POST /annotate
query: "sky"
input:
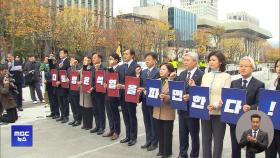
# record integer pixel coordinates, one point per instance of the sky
(267, 11)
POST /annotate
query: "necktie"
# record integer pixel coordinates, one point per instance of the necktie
(278, 85)
(244, 86)
(188, 78)
(148, 73)
(125, 67)
(255, 134)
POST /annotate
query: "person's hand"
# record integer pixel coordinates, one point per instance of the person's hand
(248, 137)
(138, 70)
(91, 89)
(67, 80)
(45, 82)
(191, 82)
(172, 76)
(79, 83)
(140, 89)
(57, 83)
(6, 80)
(97, 66)
(162, 96)
(186, 97)
(105, 85)
(120, 86)
(210, 107)
(246, 108)
(254, 140)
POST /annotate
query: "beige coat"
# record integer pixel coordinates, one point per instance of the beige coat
(85, 98)
(164, 112)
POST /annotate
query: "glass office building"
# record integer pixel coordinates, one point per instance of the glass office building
(185, 24)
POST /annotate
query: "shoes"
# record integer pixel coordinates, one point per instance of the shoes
(35, 102)
(145, 145)
(59, 119)
(159, 154)
(125, 140)
(115, 136)
(152, 147)
(77, 123)
(131, 142)
(100, 131)
(94, 130)
(109, 134)
(20, 109)
(71, 123)
(43, 101)
(65, 120)
(55, 117)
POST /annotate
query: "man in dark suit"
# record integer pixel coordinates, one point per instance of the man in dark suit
(150, 73)
(98, 98)
(191, 76)
(128, 69)
(63, 101)
(254, 139)
(113, 103)
(252, 85)
(16, 72)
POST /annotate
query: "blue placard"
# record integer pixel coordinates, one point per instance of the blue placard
(199, 100)
(22, 136)
(269, 103)
(153, 90)
(176, 92)
(233, 101)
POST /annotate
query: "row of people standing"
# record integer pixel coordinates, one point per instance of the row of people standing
(159, 121)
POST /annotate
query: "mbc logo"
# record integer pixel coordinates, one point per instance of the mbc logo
(22, 136)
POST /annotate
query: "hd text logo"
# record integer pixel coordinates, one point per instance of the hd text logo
(22, 136)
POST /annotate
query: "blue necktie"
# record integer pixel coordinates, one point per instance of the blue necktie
(125, 67)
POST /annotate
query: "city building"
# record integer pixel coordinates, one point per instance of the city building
(103, 9)
(182, 21)
(202, 8)
(145, 3)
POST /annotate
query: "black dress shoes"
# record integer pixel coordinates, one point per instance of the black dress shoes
(65, 120)
(77, 123)
(131, 142)
(145, 146)
(100, 131)
(159, 154)
(94, 130)
(72, 122)
(152, 147)
(125, 140)
(59, 119)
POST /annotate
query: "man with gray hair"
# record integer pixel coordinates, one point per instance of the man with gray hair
(191, 76)
(252, 85)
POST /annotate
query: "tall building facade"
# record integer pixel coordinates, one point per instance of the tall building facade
(242, 16)
(103, 9)
(145, 3)
(184, 23)
(202, 8)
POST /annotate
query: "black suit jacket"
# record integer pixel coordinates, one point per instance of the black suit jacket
(130, 72)
(259, 146)
(101, 67)
(197, 77)
(253, 88)
(154, 74)
(66, 64)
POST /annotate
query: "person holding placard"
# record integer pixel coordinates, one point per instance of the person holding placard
(128, 109)
(74, 96)
(98, 98)
(164, 115)
(187, 125)
(274, 148)
(113, 103)
(63, 101)
(85, 98)
(252, 85)
(150, 73)
(214, 129)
